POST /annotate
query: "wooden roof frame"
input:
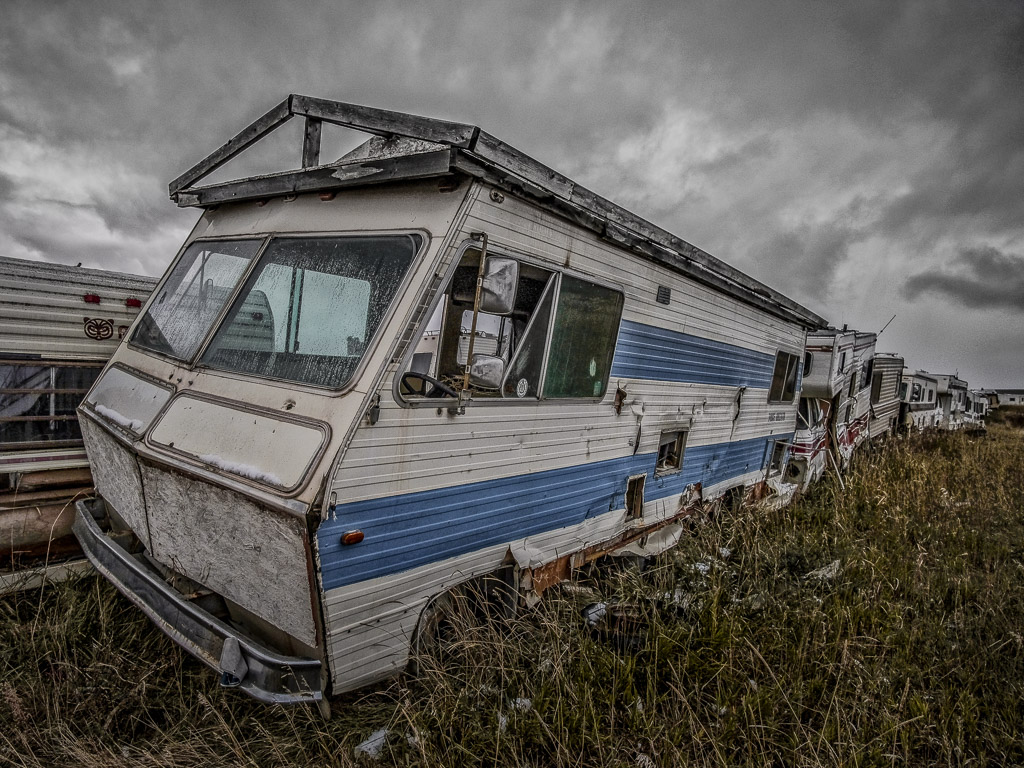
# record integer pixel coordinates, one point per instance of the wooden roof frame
(467, 150)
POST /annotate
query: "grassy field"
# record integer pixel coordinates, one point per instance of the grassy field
(880, 625)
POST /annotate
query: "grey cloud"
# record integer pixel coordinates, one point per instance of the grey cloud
(809, 257)
(144, 89)
(7, 188)
(978, 277)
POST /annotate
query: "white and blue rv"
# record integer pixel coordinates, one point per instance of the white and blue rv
(365, 383)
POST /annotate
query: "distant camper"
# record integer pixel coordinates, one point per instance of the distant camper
(835, 402)
(58, 327)
(434, 364)
(919, 402)
(952, 395)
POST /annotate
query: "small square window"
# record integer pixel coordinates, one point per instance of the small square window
(670, 452)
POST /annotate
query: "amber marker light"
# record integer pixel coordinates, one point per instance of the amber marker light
(351, 537)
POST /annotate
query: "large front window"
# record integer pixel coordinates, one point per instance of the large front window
(310, 307)
(305, 313)
(189, 301)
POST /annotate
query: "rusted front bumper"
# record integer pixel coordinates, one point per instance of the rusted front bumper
(241, 662)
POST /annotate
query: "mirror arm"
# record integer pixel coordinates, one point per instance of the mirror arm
(482, 237)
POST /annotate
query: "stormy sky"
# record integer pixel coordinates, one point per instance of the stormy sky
(866, 159)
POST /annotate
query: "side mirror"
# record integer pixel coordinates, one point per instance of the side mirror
(498, 289)
(486, 371)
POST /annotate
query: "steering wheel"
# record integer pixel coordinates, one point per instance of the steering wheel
(413, 383)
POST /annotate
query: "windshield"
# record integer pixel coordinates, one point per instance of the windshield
(311, 306)
(193, 295)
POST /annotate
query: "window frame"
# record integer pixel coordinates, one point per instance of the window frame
(193, 364)
(681, 437)
(439, 288)
(52, 393)
(797, 362)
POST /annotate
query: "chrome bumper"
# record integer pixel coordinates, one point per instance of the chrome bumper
(241, 662)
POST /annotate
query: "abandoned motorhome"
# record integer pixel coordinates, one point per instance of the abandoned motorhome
(919, 403)
(835, 402)
(363, 384)
(58, 327)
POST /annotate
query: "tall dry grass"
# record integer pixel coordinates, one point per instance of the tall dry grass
(880, 625)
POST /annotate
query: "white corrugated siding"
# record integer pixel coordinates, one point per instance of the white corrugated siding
(43, 311)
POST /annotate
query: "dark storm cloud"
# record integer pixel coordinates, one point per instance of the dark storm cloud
(977, 277)
(819, 146)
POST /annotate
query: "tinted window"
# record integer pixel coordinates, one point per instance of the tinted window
(783, 386)
(583, 341)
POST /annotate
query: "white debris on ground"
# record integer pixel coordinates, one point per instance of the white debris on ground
(133, 424)
(702, 568)
(724, 553)
(594, 612)
(680, 598)
(516, 705)
(373, 744)
(244, 470)
(645, 761)
(825, 573)
(575, 589)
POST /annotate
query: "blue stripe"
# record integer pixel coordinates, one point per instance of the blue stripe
(648, 352)
(413, 529)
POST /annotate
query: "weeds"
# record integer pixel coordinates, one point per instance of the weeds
(877, 626)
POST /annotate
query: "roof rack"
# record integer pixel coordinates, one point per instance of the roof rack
(458, 148)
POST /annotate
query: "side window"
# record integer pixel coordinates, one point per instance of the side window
(783, 386)
(524, 374)
(38, 401)
(583, 341)
(557, 339)
(866, 372)
(808, 415)
(808, 360)
(670, 452)
(876, 386)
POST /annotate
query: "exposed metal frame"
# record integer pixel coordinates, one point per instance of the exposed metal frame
(467, 150)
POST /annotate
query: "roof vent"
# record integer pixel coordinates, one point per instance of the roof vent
(664, 294)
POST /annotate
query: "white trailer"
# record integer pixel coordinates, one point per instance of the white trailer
(835, 403)
(58, 326)
(433, 363)
(919, 402)
(886, 379)
(952, 398)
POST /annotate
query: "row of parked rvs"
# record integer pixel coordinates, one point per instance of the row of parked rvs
(433, 364)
